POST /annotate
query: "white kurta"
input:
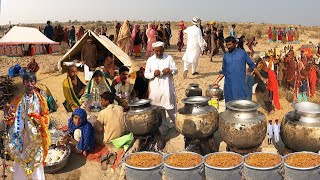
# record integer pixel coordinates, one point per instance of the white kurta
(276, 131)
(194, 46)
(162, 92)
(270, 131)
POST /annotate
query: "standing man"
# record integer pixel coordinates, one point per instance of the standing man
(270, 132)
(89, 58)
(168, 35)
(28, 139)
(160, 69)
(48, 30)
(73, 89)
(234, 71)
(221, 39)
(276, 131)
(232, 31)
(72, 36)
(194, 47)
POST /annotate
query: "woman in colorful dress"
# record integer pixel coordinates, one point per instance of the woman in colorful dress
(90, 100)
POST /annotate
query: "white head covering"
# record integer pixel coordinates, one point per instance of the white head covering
(196, 20)
(157, 44)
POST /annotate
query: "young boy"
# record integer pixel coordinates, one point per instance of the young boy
(276, 131)
(110, 124)
(270, 132)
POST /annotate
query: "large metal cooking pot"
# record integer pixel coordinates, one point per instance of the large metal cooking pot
(193, 90)
(197, 119)
(242, 126)
(142, 118)
(213, 91)
(300, 129)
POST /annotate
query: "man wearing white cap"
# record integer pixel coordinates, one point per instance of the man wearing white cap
(160, 69)
(194, 47)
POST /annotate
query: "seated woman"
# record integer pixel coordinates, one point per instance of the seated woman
(33, 66)
(81, 132)
(98, 84)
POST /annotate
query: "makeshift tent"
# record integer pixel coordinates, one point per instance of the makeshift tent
(20, 41)
(104, 47)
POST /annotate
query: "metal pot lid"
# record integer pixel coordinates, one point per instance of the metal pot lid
(140, 102)
(213, 87)
(242, 105)
(306, 107)
(195, 100)
(194, 84)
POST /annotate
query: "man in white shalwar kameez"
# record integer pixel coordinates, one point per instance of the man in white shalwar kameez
(276, 131)
(194, 47)
(160, 69)
(270, 132)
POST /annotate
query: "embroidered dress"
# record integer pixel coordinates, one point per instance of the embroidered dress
(28, 140)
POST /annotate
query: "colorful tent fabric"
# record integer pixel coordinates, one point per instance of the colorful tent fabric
(13, 43)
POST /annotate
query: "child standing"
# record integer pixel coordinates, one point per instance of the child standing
(276, 131)
(270, 132)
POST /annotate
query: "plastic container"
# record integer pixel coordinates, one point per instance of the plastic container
(256, 173)
(22, 71)
(177, 173)
(296, 173)
(14, 70)
(137, 173)
(230, 173)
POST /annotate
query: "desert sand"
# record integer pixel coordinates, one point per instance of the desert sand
(77, 167)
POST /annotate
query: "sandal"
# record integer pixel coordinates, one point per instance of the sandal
(112, 158)
(104, 161)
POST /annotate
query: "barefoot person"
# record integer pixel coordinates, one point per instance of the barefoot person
(110, 124)
(81, 131)
(160, 69)
(194, 47)
(28, 139)
(234, 71)
(33, 66)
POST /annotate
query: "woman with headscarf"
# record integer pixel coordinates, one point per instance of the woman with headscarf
(144, 37)
(124, 37)
(136, 40)
(116, 32)
(152, 35)
(141, 84)
(180, 36)
(81, 131)
(90, 100)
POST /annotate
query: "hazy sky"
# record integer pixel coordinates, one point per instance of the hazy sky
(305, 12)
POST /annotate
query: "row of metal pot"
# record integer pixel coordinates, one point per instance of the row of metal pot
(241, 125)
(240, 171)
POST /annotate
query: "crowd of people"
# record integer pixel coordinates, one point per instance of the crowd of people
(62, 34)
(108, 93)
(284, 35)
